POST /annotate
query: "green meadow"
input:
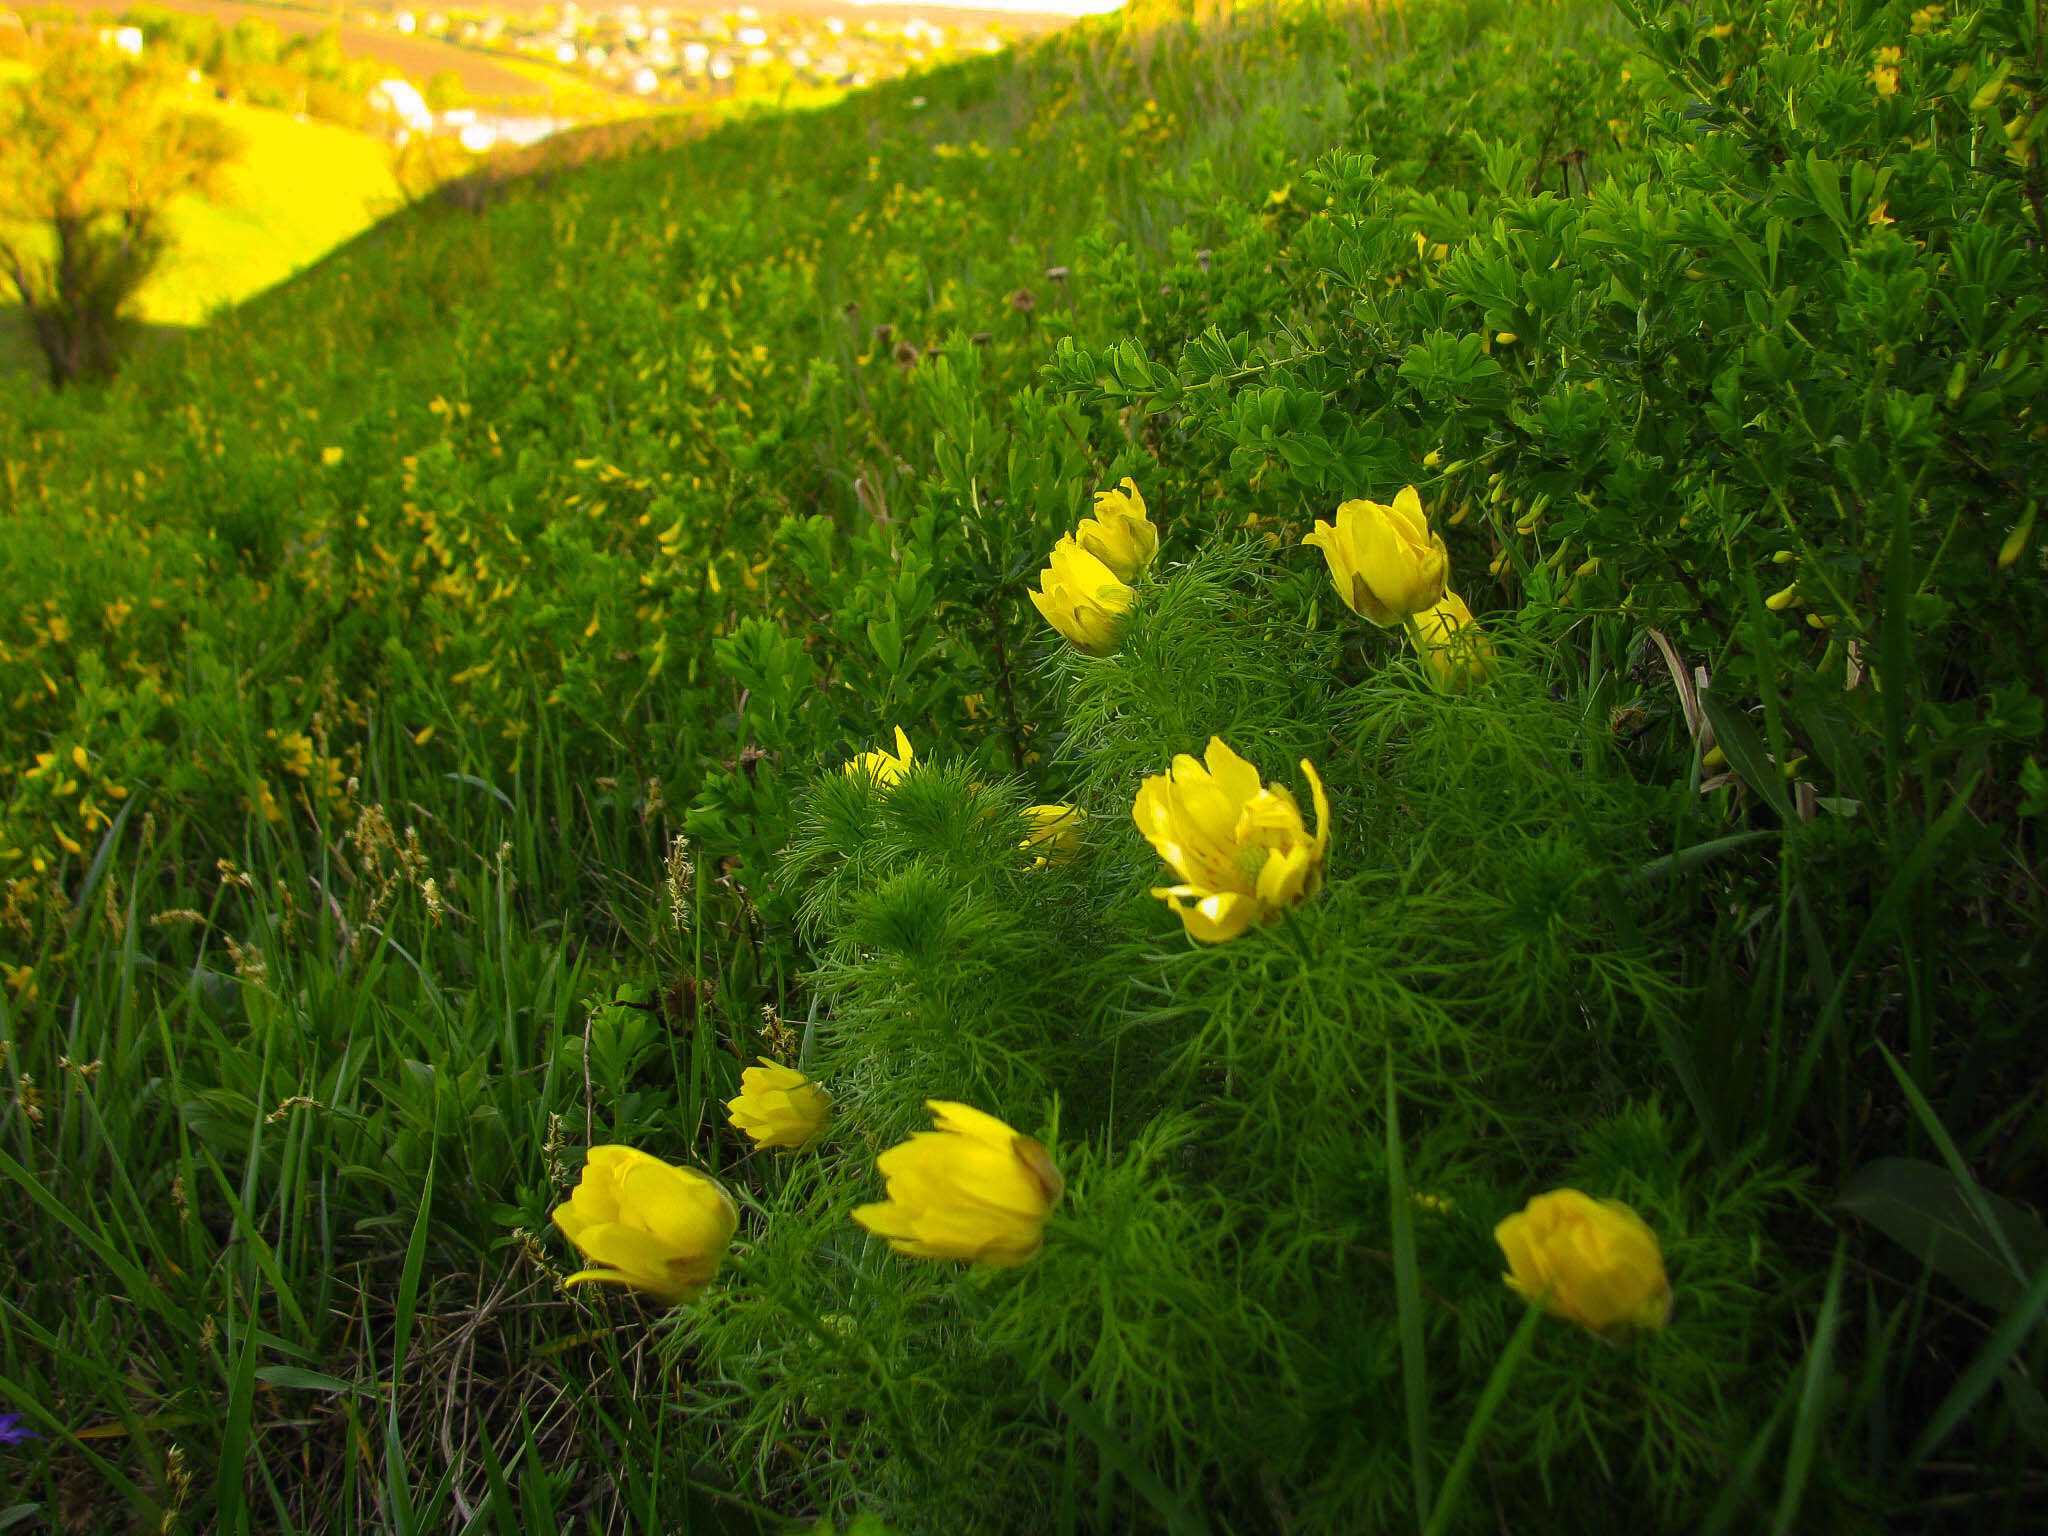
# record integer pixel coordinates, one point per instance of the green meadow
(451, 706)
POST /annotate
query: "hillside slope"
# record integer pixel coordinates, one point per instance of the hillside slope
(433, 681)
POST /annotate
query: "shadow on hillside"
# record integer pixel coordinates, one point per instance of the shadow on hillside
(567, 150)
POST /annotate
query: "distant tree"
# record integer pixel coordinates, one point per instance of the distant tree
(444, 90)
(92, 149)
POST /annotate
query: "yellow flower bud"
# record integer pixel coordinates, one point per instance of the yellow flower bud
(1449, 638)
(778, 1106)
(656, 1228)
(1591, 1261)
(1055, 833)
(1384, 560)
(2015, 543)
(1241, 850)
(885, 769)
(1081, 597)
(1120, 534)
(971, 1188)
(1778, 602)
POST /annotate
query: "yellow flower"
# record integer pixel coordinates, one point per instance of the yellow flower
(1081, 597)
(778, 1106)
(1591, 1261)
(659, 1229)
(330, 456)
(1450, 639)
(1055, 833)
(1120, 534)
(1241, 850)
(970, 1189)
(885, 769)
(1385, 561)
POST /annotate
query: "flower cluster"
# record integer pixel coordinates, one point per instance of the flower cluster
(778, 1106)
(879, 765)
(647, 1224)
(970, 1189)
(1085, 590)
(1391, 568)
(1594, 1262)
(1240, 848)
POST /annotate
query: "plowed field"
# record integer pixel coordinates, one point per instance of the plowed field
(419, 58)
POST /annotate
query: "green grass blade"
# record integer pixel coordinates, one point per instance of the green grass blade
(230, 1498)
(1813, 1405)
(1976, 1380)
(1408, 1309)
(1497, 1383)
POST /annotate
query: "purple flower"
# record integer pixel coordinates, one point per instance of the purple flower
(13, 1431)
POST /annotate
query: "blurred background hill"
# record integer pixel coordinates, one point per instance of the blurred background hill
(346, 112)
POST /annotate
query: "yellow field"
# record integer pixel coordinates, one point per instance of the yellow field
(297, 190)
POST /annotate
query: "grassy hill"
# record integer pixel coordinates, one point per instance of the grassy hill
(431, 688)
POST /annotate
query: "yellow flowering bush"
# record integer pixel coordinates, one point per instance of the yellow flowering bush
(1594, 1262)
(1055, 833)
(1082, 597)
(971, 1188)
(778, 1106)
(646, 1224)
(885, 768)
(1121, 533)
(1385, 560)
(1240, 848)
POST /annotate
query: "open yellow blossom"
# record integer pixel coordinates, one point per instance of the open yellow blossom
(656, 1228)
(1055, 833)
(1120, 534)
(1591, 1261)
(1384, 559)
(1450, 639)
(971, 1188)
(1240, 848)
(885, 769)
(778, 1106)
(1081, 597)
